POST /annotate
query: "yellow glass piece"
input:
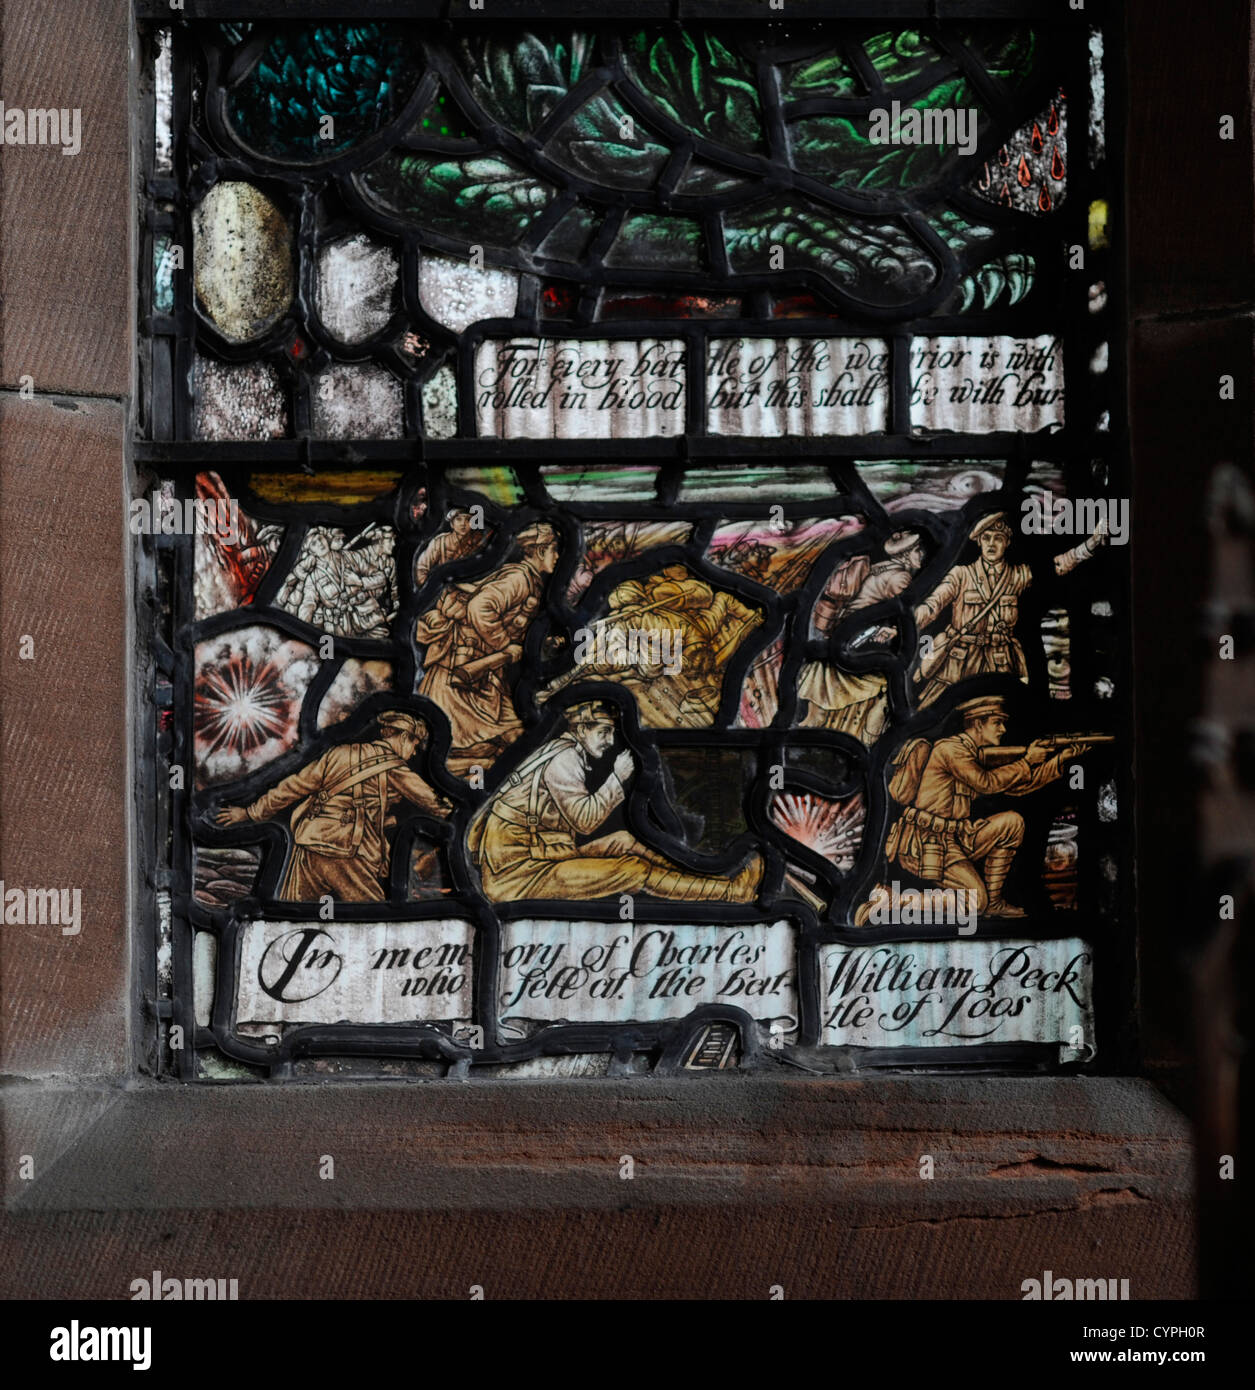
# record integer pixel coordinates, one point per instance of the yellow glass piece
(345, 489)
(1098, 224)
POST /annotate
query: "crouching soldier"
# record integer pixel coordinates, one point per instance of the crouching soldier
(935, 837)
(339, 830)
(523, 841)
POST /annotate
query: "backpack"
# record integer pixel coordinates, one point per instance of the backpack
(908, 768)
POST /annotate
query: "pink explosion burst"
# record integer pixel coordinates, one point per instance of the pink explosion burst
(833, 829)
(239, 706)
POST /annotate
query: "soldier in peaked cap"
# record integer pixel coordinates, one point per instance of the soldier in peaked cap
(984, 602)
(935, 837)
(523, 842)
(459, 541)
(340, 844)
(995, 521)
(855, 584)
(472, 635)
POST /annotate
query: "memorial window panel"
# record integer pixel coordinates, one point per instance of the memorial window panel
(631, 548)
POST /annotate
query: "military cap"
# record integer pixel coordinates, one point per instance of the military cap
(995, 521)
(901, 541)
(541, 534)
(591, 712)
(402, 723)
(456, 511)
(981, 708)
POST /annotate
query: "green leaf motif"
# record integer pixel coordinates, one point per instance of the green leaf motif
(595, 117)
(839, 149)
(487, 198)
(829, 75)
(649, 240)
(696, 80)
(880, 261)
(360, 76)
(605, 142)
(900, 55)
(1014, 273)
(957, 231)
(1007, 54)
(520, 79)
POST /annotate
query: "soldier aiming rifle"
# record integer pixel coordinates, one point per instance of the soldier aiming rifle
(935, 838)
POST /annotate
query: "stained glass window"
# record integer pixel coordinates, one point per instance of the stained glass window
(631, 565)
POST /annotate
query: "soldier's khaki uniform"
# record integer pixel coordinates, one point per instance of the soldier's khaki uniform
(707, 625)
(980, 637)
(444, 549)
(523, 841)
(842, 700)
(710, 624)
(471, 621)
(340, 845)
(935, 838)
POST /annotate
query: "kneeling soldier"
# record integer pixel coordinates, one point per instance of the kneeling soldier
(935, 837)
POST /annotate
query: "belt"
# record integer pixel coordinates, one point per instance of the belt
(939, 824)
(515, 818)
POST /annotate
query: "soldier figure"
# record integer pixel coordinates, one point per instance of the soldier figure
(313, 590)
(472, 634)
(523, 841)
(858, 704)
(984, 605)
(366, 574)
(935, 838)
(340, 589)
(454, 544)
(340, 845)
(749, 558)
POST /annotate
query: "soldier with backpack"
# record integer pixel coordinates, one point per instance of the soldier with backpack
(837, 699)
(339, 830)
(934, 837)
(984, 603)
(473, 636)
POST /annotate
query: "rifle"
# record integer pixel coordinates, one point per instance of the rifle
(998, 754)
(471, 672)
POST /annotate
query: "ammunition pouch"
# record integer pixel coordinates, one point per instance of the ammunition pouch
(541, 844)
(928, 823)
(927, 842)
